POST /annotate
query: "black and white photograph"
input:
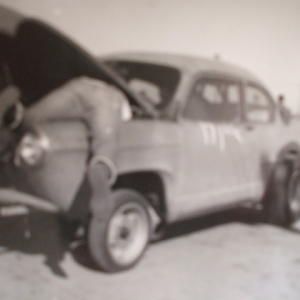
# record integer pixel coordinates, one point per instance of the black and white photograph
(149, 149)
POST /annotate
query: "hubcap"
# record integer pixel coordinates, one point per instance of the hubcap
(128, 233)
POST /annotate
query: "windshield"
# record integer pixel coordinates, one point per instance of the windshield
(155, 83)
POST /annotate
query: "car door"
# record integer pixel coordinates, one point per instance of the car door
(209, 129)
(259, 133)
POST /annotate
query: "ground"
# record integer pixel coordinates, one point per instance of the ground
(229, 255)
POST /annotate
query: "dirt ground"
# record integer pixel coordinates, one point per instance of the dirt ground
(229, 255)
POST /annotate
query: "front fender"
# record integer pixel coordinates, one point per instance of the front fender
(151, 146)
(60, 174)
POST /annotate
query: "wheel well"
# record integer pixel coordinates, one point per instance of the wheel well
(149, 184)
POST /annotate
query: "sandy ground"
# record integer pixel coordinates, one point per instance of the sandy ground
(229, 255)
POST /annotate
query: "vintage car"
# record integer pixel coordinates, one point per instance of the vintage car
(204, 135)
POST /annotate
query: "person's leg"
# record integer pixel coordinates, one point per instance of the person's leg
(100, 202)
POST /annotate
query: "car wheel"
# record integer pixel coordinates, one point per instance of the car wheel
(158, 233)
(294, 196)
(118, 242)
(282, 204)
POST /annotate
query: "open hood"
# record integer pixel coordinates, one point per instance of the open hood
(37, 58)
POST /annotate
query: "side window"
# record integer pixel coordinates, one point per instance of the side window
(258, 104)
(214, 100)
(233, 93)
(211, 93)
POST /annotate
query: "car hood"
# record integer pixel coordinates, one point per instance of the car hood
(39, 59)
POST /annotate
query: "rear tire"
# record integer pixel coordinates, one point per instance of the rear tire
(294, 196)
(282, 203)
(119, 241)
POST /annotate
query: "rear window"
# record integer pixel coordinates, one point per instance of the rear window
(155, 83)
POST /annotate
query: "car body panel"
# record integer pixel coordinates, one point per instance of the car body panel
(40, 59)
(62, 170)
(221, 163)
(185, 63)
(203, 164)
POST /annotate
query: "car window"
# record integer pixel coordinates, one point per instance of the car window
(147, 90)
(214, 100)
(233, 93)
(212, 93)
(258, 104)
(156, 83)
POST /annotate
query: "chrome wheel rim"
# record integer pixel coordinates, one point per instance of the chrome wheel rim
(128, 233)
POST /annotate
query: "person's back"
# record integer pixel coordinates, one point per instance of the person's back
(102, 108)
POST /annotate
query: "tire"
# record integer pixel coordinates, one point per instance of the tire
(118, 242)
(282, 203)
(294, 196)
(158, 233)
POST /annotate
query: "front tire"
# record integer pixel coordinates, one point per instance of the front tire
(118, 242)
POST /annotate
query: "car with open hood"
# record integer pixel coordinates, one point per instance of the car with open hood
(204, 136)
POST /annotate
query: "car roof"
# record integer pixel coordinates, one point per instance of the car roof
(193, 64)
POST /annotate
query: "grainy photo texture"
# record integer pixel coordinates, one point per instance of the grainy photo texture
(149, 149)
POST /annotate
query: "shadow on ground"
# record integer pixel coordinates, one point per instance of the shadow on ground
(48, 238)
(241, 215)
(38, 233)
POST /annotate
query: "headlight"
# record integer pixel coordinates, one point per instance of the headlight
(31, 150)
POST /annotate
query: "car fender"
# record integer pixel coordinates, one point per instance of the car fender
(151, 146)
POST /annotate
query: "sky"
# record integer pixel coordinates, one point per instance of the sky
(262, 36)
